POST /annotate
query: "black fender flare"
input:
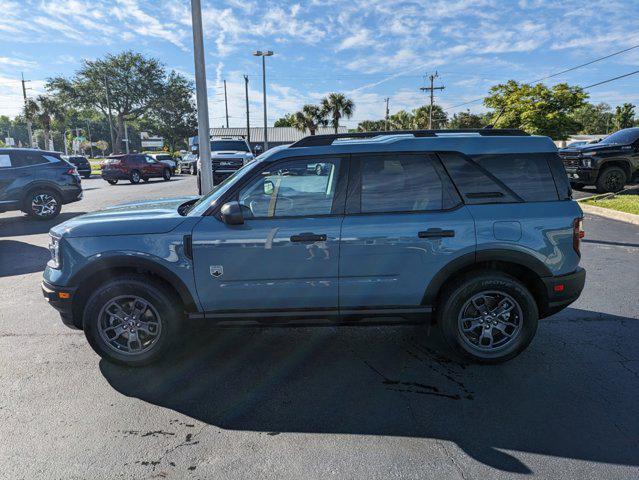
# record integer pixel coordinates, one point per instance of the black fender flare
(138, 263)
(515, 257)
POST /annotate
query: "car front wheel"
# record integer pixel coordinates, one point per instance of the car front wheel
(135, 176)
(488, 317)
(612, 179)
(131, 320)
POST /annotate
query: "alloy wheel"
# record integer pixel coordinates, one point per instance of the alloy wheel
(614, 181)
(129, 325)
(490, 321)
(44, 204)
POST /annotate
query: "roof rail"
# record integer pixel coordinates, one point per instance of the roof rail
(322, 140)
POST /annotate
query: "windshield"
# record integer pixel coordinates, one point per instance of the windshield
(205, 201)
(622, 137)
(234, 145)
(163, 157)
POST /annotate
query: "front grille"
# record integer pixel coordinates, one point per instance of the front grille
(227, 163)
(570, 160)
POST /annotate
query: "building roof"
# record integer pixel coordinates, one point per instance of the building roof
(275, 134)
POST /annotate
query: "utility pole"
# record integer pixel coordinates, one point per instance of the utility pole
(90, 142)
(226, 106)
(24, 96)
(248, 123)
(206, 172)
(126, 136)
(106, 85)
(431, 89)
(387, 112)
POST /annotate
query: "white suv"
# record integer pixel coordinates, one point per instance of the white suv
(228, 154)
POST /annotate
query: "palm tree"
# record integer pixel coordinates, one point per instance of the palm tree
(309, 118)
(43, 110)
(401, 120)
(335, 106)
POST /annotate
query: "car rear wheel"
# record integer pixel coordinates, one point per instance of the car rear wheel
(488, 317)
(131, 320)
(112, 181)
(87, 175)
(612, 179)
(166, 175)
(134, 176)
(43, 204)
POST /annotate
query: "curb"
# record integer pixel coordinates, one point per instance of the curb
(609, 213)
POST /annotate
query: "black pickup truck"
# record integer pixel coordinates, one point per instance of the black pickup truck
(608, 164)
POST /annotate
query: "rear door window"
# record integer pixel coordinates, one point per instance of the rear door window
(5, 161)
(28, 158)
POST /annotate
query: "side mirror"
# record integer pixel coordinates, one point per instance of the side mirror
(232, 213)
(268, 187)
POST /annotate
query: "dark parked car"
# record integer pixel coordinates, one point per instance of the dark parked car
(133, 167)
(36, 182)
(474, 229)
(81, 164)
(608, 164)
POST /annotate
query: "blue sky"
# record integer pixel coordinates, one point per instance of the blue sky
(368, 49)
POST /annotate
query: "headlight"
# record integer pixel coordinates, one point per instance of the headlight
(586, 162)
(54, 250)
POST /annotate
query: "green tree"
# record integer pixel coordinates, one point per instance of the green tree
(401, 120)
(421, 117)
(371, 126)
(135, 83)
(102, 146)
(536, 109)
(309, 118)
(466, 119)
(624, 116)
(285, 121)
(173, 115)
(335, 106)
(594, 119)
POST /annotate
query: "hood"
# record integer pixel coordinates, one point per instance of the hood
(592, 147)
(138, 218)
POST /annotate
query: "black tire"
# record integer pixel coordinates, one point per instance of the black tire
(145, 179)
(42, 204)
(87, 175)
(577, 186)
(194, 169)
(134, 176)
(161, 300)
(454, 302)
(166, 175)
(112, 181)
(611, 179)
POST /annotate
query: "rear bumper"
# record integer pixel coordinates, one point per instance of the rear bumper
(61, 298)
(563, 290)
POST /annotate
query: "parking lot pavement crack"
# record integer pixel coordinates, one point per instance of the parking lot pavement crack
(189, 440)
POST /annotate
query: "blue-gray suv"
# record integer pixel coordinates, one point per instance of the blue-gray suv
(475, 230)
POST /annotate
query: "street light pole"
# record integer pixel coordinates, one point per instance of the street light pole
(206, 168)
(264, 54)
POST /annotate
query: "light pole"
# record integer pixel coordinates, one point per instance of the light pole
(265, 54)
(206, 168)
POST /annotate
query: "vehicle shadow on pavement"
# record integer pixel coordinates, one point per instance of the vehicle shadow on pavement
(17, 226)
(19, 258)
(570, 395)
(152, 181)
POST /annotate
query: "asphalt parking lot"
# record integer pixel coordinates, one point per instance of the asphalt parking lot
(380, 402)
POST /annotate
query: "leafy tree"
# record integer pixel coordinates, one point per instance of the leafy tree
(467, 120)
(285, 121)
(309, 118)
(42, 110)
(624, 116)
(134, 82)
(173, 115)
(371, 126)
(102, 146)
(401, 120)
(536, 109)
(335, 106)
(421, 117)
(594, 119)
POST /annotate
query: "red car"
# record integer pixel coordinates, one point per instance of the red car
(133, 167)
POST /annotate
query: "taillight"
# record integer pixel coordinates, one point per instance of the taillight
(577, 234)
(71, 171)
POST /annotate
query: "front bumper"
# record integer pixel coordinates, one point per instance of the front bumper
(581, 175)
(563, 290)
(61, 298)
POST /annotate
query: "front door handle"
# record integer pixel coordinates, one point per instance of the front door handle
(436, 233)
(308, 237)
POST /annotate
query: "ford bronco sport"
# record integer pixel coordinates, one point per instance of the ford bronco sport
(473, 229)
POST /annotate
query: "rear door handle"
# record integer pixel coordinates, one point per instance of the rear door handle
(308, 237)
(436, 233)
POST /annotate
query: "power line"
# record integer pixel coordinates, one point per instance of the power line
(561, 73)
(612, 79)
